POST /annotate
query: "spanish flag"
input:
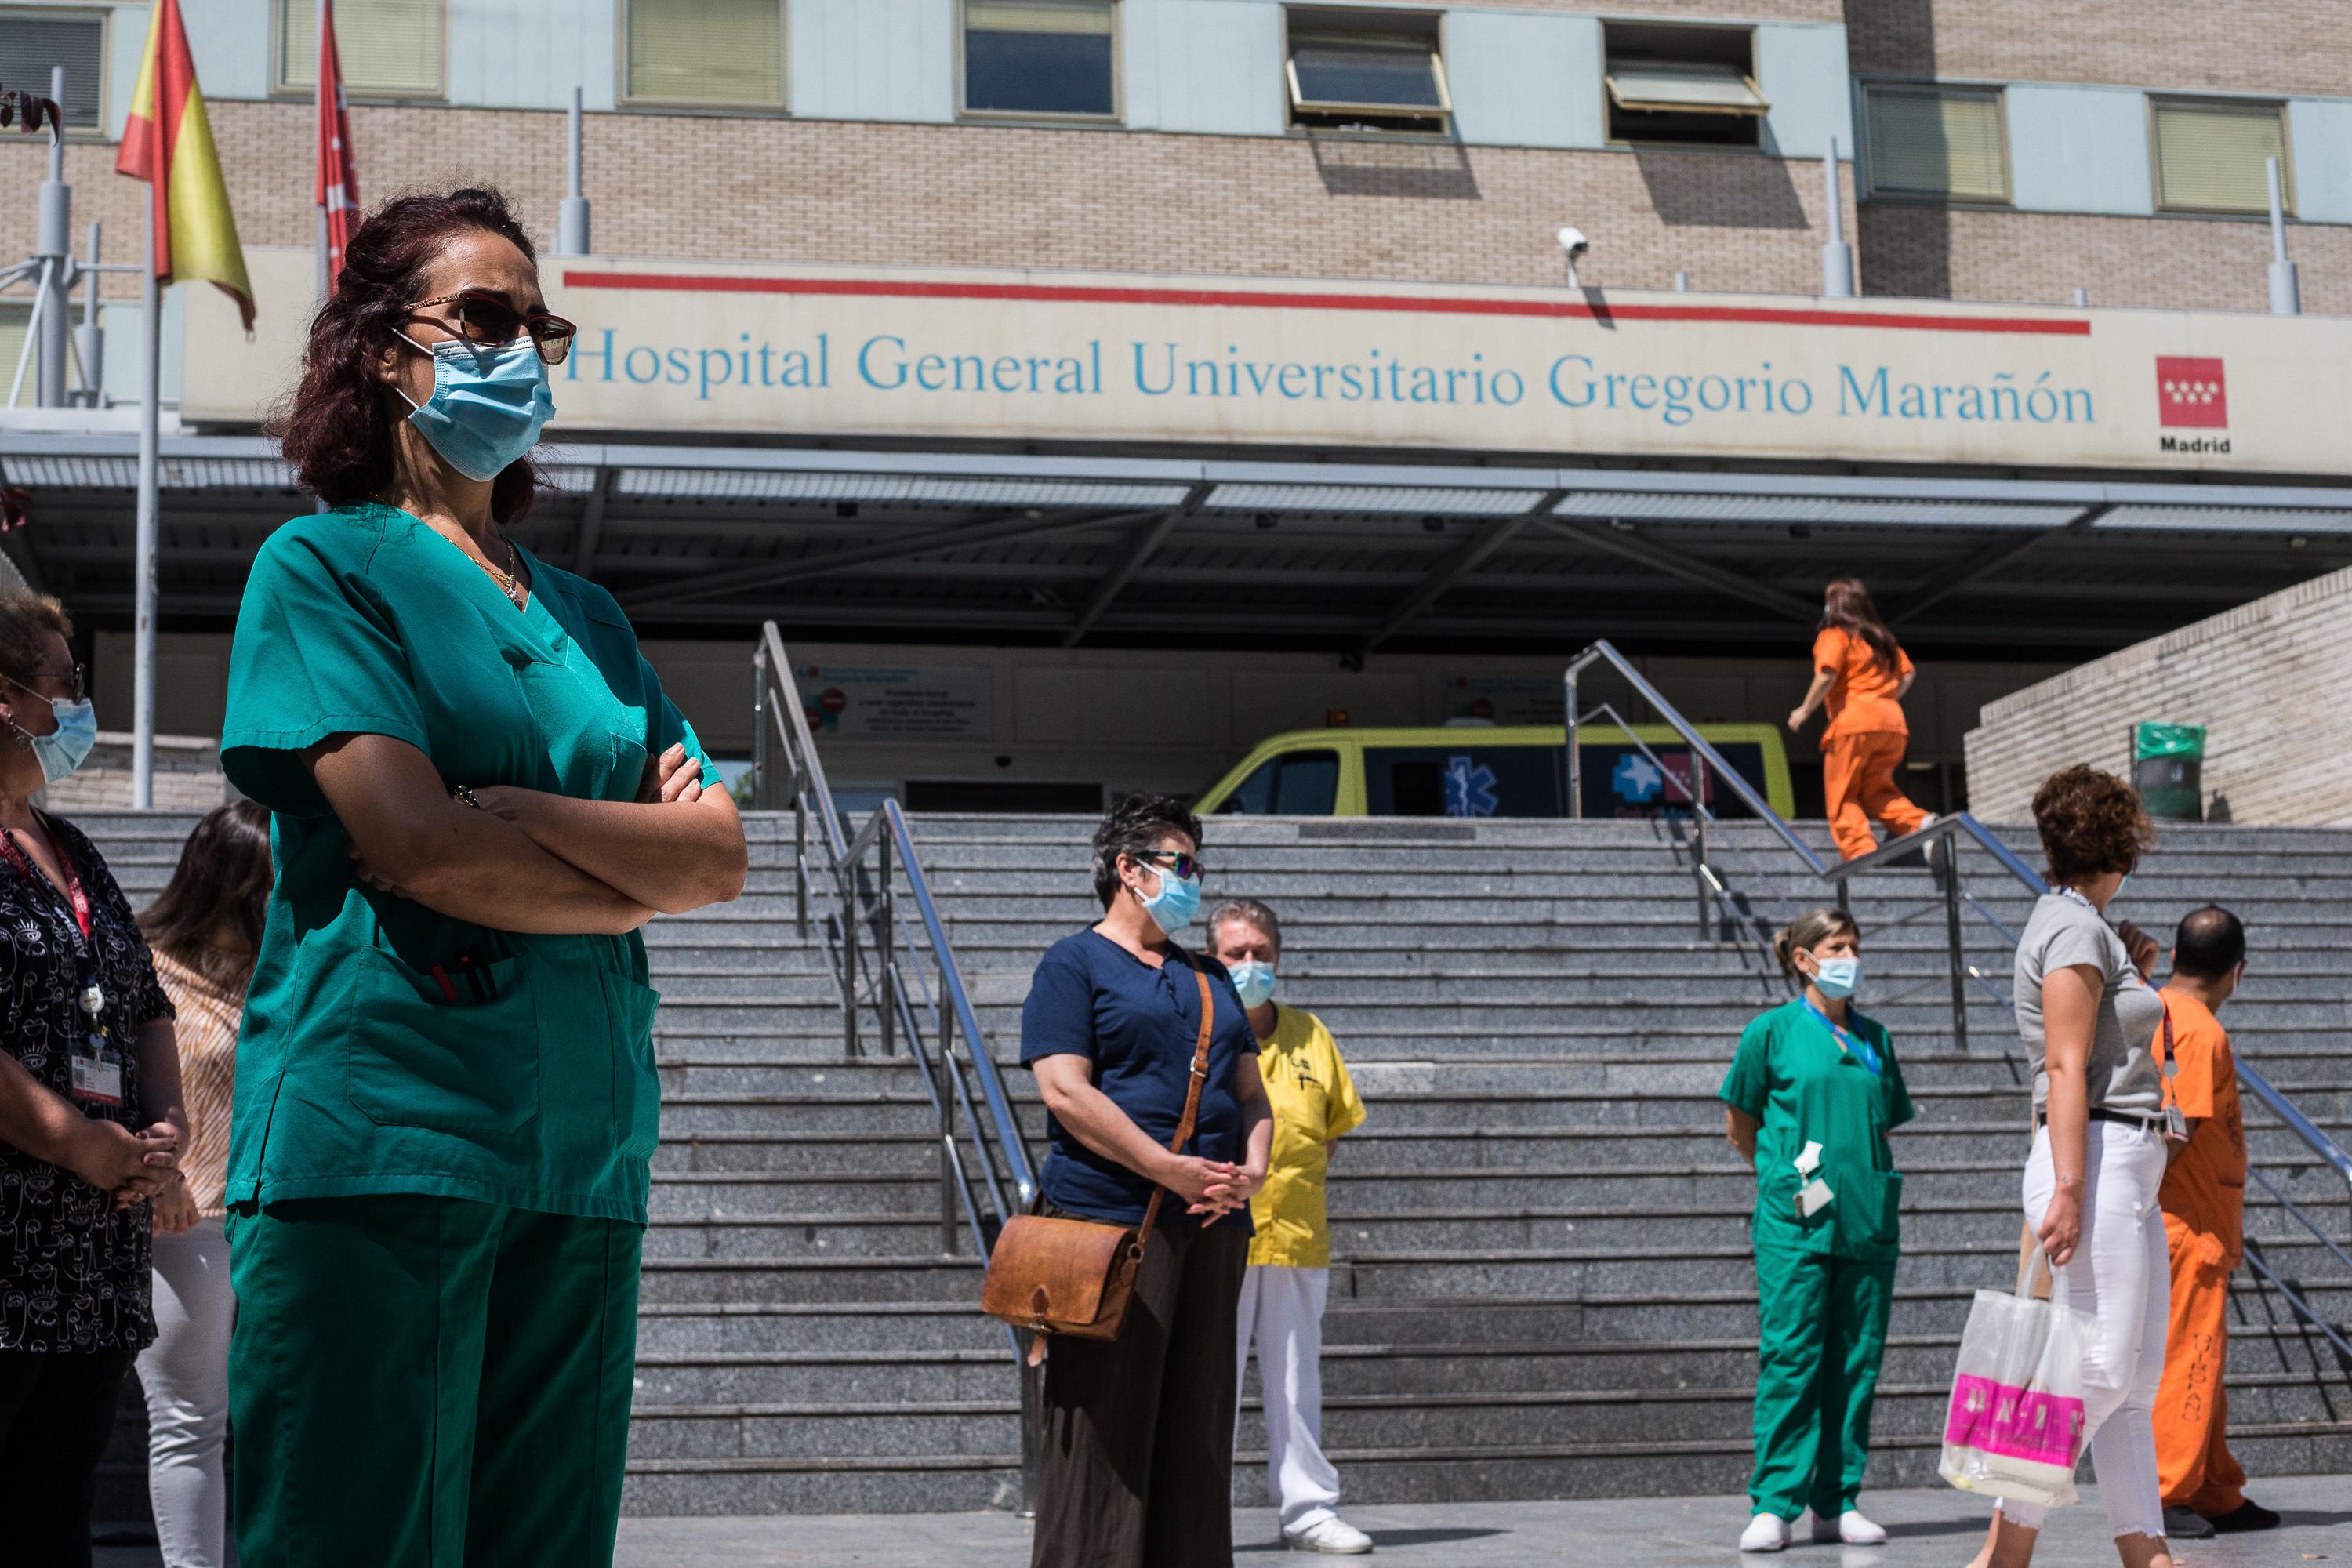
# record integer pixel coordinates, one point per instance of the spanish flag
(169, 143)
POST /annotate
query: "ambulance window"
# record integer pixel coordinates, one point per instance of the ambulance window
(1295, 783)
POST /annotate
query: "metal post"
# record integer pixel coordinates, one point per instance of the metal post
(1682, 282)
(848, 877)
(885, 946)
(800, 852)
(1033, 1419)
(1837, 256)
(2081, 299)
(1952, 938)
(1698, 837)
(2286, 288)
(53, 248)
(322, 10)
(90, 345)
(571, 222)
(947, 1161)
(142, 678)
(1575, 762)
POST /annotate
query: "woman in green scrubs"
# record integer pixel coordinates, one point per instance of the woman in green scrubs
(445, 1101)
(1810, 1100)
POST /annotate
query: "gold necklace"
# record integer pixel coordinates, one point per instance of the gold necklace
(508, 581)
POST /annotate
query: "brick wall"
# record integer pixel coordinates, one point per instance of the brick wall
(2252, 46)
(2214, 264)
(771, 189)
(2272, 681)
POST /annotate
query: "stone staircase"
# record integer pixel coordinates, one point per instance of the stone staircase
(1542, 1282)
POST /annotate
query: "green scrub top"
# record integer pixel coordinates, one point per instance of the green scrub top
(528, 1078)
(1791, 1076)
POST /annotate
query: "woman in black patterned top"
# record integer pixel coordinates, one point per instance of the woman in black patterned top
(89, 1115)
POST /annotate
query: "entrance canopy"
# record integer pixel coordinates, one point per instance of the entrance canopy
(1355, 556)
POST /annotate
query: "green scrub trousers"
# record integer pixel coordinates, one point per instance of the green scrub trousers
(1824, 1280)
(1825, 1335)
(440, 1150)
(430, 1381)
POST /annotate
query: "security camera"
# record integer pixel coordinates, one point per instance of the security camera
(1572, 241)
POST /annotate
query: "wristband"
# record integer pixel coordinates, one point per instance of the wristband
(2070, 1181)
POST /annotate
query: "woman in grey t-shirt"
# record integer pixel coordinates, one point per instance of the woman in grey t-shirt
(2086, 1014)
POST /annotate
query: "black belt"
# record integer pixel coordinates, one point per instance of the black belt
(2143, 1119)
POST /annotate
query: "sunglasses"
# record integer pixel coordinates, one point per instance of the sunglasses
(1186, 867)
(486, 320)
(78, 676)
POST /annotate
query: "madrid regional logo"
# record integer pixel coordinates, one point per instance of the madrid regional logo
(2192, 394)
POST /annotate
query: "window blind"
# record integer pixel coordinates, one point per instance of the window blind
(31, 45)
(1090, 16)
(389, 48)
(1937, 141)
(2210, 156)
(706, 52)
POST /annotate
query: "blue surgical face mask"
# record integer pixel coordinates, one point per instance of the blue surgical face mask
(2122, 885)
(488, 406)
(1837, 976)
(1254, 980)
(1171, 908)
(66, 747)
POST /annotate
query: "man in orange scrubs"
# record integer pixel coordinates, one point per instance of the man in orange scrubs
(2204, 1199)
(1864, 739)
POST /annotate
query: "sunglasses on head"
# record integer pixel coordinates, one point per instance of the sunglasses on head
(1186, 867)
(484, 320)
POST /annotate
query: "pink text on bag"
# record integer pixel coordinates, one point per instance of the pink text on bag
(2014, 1423)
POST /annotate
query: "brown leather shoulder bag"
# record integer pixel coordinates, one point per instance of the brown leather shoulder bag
(1075, 1277)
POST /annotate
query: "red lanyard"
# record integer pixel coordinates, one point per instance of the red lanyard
(75, 893)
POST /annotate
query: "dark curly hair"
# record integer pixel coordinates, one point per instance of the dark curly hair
(2091, 822)
(338, 427)
(1135, 827)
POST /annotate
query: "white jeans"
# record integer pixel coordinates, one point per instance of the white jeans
(1282, 1309)
(186, 1374)
(2120, 1275)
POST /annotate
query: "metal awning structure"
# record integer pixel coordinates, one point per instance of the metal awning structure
(951, 545)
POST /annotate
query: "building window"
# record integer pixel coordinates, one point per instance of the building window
(2211, 155)
(727, 53)
(32, 42)
(1683, 86)
(388, 49)
(1040, 58)
(1937, 143)
(1366, 70)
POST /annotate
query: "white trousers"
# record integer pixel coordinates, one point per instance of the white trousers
(186, 1374)
(1282, 1310)
(2120, 1275)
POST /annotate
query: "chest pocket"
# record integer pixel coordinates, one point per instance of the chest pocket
(588, 735)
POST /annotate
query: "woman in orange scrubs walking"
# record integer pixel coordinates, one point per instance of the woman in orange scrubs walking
(1862, 673)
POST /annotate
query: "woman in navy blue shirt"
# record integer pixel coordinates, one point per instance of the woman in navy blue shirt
(1136, 1457)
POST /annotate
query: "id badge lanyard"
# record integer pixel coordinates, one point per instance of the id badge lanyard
(1848, 1044)
(97, 1061)
(2176, 1125)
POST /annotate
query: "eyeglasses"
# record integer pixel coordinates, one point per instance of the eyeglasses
(1186, 867)
(484, 320)
(78, 677)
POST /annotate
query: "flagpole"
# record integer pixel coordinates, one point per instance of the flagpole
(143, 688)
(318, 123)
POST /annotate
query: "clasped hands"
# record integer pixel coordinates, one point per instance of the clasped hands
(1211, 1189)
(135, 1167)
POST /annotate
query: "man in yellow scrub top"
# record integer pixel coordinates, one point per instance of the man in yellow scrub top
(445, 1099)
(1289, 1260)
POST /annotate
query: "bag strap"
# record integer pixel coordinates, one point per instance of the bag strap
(1192, 1101)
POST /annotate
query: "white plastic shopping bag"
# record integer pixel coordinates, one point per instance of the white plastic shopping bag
(2015, 1426)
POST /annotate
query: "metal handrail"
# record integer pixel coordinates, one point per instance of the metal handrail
(2330, 1152)
(1604, 651)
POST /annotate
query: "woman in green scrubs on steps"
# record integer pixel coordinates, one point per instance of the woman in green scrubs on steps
(1809, 1101)
(445, 1101)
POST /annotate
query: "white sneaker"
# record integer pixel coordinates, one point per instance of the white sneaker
(1334, 1537)
(1852, 1527)
(1765, 1532)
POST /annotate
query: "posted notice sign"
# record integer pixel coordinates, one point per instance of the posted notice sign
(898, 702)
